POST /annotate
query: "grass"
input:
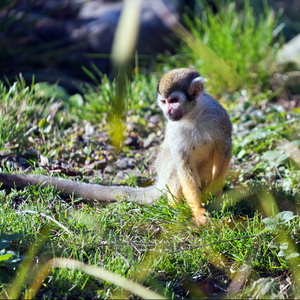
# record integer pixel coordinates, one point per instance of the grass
(158, 246)
(248, 248)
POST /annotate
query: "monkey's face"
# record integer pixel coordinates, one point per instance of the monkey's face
(177, 92)
(172, 106)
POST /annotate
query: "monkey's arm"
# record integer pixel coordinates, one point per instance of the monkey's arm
(81, 190)
(190, 188)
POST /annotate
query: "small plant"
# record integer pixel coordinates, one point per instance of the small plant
(139, 94)
(17, 102)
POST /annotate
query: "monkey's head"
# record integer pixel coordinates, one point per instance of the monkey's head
(177, 92)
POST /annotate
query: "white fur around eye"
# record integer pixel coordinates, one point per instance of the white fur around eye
(159, 98)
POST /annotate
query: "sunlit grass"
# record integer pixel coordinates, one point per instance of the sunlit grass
(234, 49)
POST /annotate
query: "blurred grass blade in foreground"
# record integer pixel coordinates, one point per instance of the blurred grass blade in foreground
(126, 33)
(122, 50)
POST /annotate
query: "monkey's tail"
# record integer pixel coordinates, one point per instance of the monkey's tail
(147, 195)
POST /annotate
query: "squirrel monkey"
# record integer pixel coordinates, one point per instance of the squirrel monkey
(192, 160)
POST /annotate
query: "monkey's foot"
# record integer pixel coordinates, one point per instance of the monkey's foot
(200, 216)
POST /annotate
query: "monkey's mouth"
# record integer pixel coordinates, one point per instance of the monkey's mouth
(174, 117)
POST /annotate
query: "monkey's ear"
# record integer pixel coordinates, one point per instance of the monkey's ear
(196, 86)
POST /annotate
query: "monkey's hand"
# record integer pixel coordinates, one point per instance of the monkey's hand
(200, 216)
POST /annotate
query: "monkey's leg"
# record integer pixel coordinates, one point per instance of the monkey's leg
(168, 181)
(220, 167)
(174, 193)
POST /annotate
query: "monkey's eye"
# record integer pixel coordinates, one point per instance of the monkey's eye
(173, 100)
(163, 101)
